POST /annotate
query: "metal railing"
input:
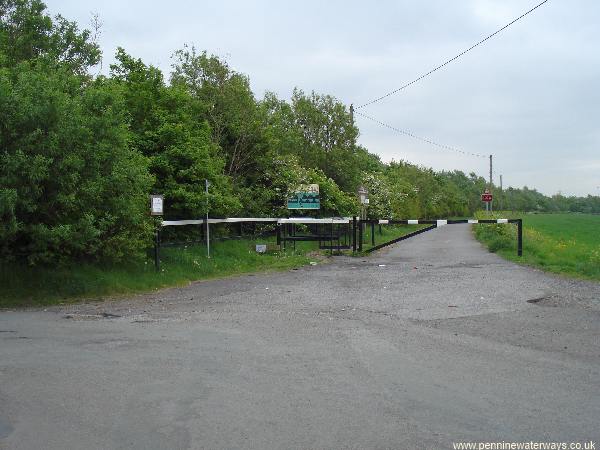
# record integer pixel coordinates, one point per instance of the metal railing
(342, 233)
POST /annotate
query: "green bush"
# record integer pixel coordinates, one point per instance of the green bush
(70, 186)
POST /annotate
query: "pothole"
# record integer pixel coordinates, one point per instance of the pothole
(590, 303)
(535, 301)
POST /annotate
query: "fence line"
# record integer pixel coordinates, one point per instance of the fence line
(354, 226)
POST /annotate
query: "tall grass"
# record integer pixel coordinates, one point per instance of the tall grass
(560, 243)
(27, 286)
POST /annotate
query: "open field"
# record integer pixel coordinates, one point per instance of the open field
(560, 243)
(39, 286)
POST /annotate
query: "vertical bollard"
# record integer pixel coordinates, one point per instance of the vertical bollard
(284, 229)
(294, 234)
(360, 235)
(520, 237)
(373, 234)
(278, 235)
(331, 239)
(157, 250)
(354, 234)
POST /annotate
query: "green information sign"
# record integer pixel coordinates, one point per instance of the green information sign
(306, 196)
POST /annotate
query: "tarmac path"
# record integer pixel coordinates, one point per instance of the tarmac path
(429, 342)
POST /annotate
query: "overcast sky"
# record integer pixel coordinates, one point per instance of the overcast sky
(530, 96)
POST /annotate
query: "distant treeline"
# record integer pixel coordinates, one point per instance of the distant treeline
(80, 153)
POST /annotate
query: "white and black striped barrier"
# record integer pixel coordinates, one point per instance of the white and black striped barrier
(283, 234)
(435, 224)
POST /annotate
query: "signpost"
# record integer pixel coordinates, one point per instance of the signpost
(156, 209)
(306, 196)
(363, 195)
(487, 198)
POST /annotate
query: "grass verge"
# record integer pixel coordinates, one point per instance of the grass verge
(561, 243)
(43, 286)
(39, 286)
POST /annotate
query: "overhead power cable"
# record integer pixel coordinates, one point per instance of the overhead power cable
(451, 59)
(422, 139)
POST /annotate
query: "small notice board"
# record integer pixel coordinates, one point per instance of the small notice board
(156, 205)
(305, 196)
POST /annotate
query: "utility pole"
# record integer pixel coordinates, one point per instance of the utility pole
(491, 181)
(352, 113)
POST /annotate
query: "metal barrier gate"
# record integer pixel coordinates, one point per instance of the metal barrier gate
(341, 233)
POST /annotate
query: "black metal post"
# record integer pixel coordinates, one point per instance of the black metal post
(520, 237)
(279, 235)
(360, 236)
(346, 231)
(331, 239)
(318, 228)
(373, 234)
(157, 250)
(354, 234)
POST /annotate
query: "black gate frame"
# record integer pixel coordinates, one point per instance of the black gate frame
(355, 231)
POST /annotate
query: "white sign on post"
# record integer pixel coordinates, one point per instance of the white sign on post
(363, 195)
(156, 205)
(261, 248)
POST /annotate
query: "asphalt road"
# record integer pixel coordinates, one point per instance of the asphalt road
(427, 343)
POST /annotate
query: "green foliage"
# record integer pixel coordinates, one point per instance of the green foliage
(281, 175)
(168, 126)
(497, 236)
(27, 34)
(71, 186)
(79, 154)
(234, 116)
(380, 195)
